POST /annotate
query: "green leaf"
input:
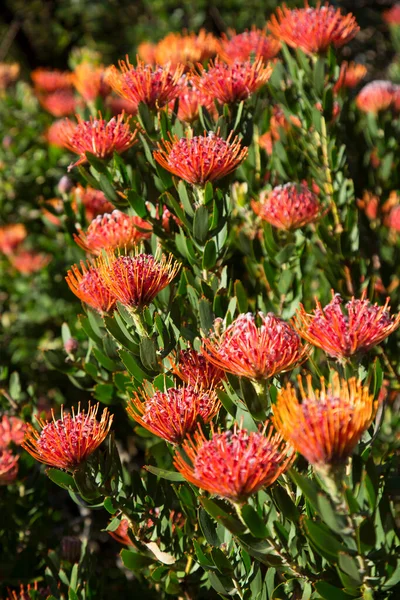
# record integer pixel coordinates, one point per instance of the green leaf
(119, 332)
(214, 508)
(241, 296)
(209, 255)
(285, 503)
(109, 505)
(307, 486)
(330, 592)
(97, 163)
(148, 354)
(164, 474)
(135, 561)
(221, 561)
(208, 528)
(105, 361)
(132, 365)
(107, 188)
(349, 565)
(137, 203)
(329, 515)
(319, 75)
(326, 544)
(206, 315)
(254, 522)
(202, 558)
(62, 479)
(184, 198)
(15, 386)
(104, 393)
(200, 224)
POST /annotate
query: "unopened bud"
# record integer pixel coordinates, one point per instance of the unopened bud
(64, 185)
(71, 345)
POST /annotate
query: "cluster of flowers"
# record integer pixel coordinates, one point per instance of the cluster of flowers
(12, 431)
(24, 260)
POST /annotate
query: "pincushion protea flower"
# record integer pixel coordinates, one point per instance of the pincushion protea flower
(89, 81)
(24, 592)
(28, 262)
(111, 231)
(11, 236)
(59, 131)
(12, 430)
(8, 73)
(256, 352)
(50, 81)
(101, 138)
(67, 442)
(93, 200)
(121, 534)
(350, 75)
(313, 30)
(136, 280)
(89, 287)
(327, 425)
(201, 158)
(59, 104)
(392, 15)
(154, 86)
(342, 335)
(376, 96)
(369, 203)
(187, 49)
(192, 368)
(232, 83)
(288, 206)
(190, 100)
(8, 467)
(242, 47)
(173, 414)
(234, 464)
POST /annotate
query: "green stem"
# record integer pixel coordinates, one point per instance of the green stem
(139, 324)
(328, 175)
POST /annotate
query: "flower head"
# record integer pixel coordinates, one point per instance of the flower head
(59, 104)
(393, 218)
(192, 368)
(137, 279)
(12, 430)
(111, 231)
(288, 206)
(121, 534)
(392, 15)
(93, 200)
(89, 81)
(8, 467)
(89, 287)
(67, 442)
(8, 74)
(369, 203)
(11, 236)
(147, 52)
(343, 334)
(350, 75)
(101, 138)
(59, 131)
(46, 80)
(313, 30)
(234, 464)
(257, 352)
(255, 43)
(187, 49)
(328, 423)
(232, 83)
(201, 158)
(190, 100)
(27, 261)
(154, 86)
(376, 96)
(173, 414)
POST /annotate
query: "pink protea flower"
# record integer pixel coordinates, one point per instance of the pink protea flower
(111, 231)
(392, 15)
(376, 96)
(89, 81)
(28, 262)
(201, 158)
(93, 200)
(11, 236)
(9, 72)
(350, 75)
(67, 442)
(59, 131)
(89, 287)
(190, 100)
(154, 86)
(59, 104)
(136, 280)
(173, 414)
(234, 464)
(257, 352)
(12, 430)
(328, 423)
(101, 138)
(8, 467)
(49, 81)
(232, 83)
(241, 47)
(192, 368)
(187, 49)
(313, 30)
(344, 334)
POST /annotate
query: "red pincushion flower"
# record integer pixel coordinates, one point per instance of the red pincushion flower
(111, 231)
(12, 430)
(327, 425)
(136, 280)
(288, 206)
(234, 464)
(342, 335)
(154, 86)
(232, 83)
(255, 43)
(187, 49)
(50, 81)
(101, 138)
(392, 15)
(202, 158)
(59, 104)
(313, 30)
(9, 72)
(59, 131)
(376, 96)
(89, 81)
(8, 467)
(190, 100)
(89, 287)
(192, 368)
(350, 75)
(67, 442)
(11, 236)
(173, 414)
(27, 262)
(93, 200)
(256, 352)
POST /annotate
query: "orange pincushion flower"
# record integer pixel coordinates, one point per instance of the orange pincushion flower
(89, 287)
(154, 86)
(392, 15)
(327, 425)
(89, 81)
(59, 103)
(12, 430)
(340, 334)
(28, 261)
(8, 467)
(313, 30)
(11, 236)
(8, 74)
(234, 464)
(147, 52)
(288, 206)
(232, 83)
(187, 49)
(350, 75)
(46, 80)
(137, 279)
(376, 96)
(101, 138)
(192, 368)
(93, 200)
(67, 442)
(173, 414)
(202, 158)
(256, 352)
(190, 100)
(111, 231)
(369, 204)
(243, 46)
(59, 131)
